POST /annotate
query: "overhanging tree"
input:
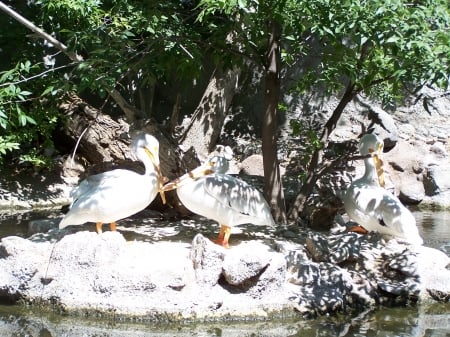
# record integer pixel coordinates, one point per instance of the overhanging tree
(379, 48)
(117, 52)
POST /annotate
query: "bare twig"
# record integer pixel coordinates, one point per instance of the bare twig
(37, 75)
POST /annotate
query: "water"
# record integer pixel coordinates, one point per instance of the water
(423, 320)
(435, 229)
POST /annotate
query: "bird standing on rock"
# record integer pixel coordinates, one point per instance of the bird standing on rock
(373, 207)
(209, 192)
(110, 196)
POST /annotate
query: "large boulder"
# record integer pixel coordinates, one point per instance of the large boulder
(311, 273)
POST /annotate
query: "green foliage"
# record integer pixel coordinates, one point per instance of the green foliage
(379, 45)
(310, 137)
(7, 144)
(248, 19)
(127, 45)
(35, 159)
(26, 122)
(125, 41)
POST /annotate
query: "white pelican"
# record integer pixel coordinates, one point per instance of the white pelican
(211, 193)
(110, 196)
(372, 206)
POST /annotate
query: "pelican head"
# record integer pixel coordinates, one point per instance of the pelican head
(146, 145)
(216, 164)
(372, 145)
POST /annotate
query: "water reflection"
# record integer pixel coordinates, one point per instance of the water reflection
(435, 229)
(15, 223)
(433, 321)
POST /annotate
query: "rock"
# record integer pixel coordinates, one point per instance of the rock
(436, 180)
(253, 165)
(433, 268)
(245, 262)
(353, 270)
(90, 274)
(207, 259)
(255, 269)
(383, 124)
(410, 191)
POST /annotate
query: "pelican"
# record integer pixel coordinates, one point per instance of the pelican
(113, 195)
(373, 207)
(211, 193)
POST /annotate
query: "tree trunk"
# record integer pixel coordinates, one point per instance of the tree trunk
(316, 160)
(273, 188)
(207, 121)
(105, 141)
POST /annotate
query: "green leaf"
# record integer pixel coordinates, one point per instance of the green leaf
(393, 39)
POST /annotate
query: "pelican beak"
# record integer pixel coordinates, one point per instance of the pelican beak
(379, 164)
(200, 171)
(161, 178)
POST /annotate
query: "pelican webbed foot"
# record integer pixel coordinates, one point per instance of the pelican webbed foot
(358, 229)
(224, 236)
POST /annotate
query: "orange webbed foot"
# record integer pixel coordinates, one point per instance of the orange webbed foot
(221, 242)
(358, 229)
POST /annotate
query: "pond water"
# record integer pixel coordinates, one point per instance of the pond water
(423, 320)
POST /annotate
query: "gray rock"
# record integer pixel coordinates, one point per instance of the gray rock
(436, 180)
(207, 259)
(384, 125)
(253, 165)
(354, 270)
(245, 262)
(90, 274)
(411, 191)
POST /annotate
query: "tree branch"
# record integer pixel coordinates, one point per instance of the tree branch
(37, 75)
(59, 45)
(129, 111)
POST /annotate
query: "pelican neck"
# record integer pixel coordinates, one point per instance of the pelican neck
(370, 174)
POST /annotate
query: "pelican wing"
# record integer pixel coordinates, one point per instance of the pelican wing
(373, 206)
(235, 194)
(100, 181)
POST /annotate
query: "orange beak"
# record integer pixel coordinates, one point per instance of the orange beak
(199, 172)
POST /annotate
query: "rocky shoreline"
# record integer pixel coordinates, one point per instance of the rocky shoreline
(266, 274)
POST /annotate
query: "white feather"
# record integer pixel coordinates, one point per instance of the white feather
(117, 194)
(209, 192)
(375, 208)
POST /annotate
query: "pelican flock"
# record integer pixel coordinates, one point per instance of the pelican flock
(373, 207)
(209, 192)
(110, 196)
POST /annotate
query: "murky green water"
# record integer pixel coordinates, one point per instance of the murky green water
(418, 321)
(433, 320)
